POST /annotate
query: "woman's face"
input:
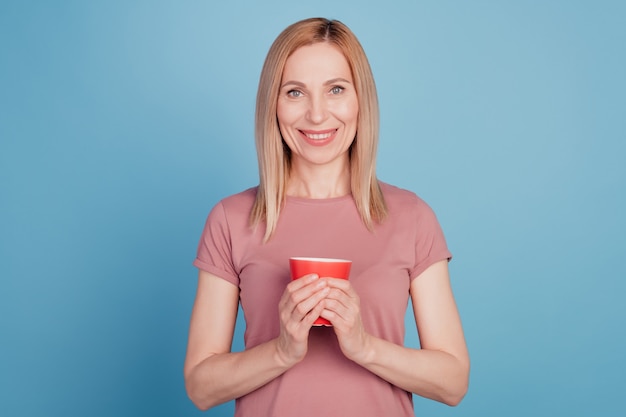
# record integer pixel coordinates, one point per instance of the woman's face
(317, 105)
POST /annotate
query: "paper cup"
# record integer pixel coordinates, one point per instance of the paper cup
(324, 267)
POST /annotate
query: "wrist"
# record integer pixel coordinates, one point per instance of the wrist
(367, 352)
(283, 360)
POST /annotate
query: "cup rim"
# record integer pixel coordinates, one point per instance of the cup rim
(313, 259)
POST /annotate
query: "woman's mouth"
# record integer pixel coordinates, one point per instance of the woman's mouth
(318, 138)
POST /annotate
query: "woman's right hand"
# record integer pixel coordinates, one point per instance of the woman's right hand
(300, 305)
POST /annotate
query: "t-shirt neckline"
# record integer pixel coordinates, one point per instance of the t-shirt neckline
(330, 200)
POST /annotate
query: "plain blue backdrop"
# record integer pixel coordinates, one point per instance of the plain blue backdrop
(123, 122)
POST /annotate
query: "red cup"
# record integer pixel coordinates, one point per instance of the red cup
(324, 268)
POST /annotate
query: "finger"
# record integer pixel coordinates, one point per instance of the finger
(336, 309)
(308, 320)
(312, 305)
(344, 296)
(339, 305)
(296, 284)
(297, 304)
(293, 292)
(341, 284)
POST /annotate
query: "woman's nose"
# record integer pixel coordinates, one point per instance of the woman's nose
(317, 111)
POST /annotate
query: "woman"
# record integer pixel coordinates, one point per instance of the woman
(316, 136)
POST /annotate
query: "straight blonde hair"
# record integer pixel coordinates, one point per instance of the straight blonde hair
(273, 154)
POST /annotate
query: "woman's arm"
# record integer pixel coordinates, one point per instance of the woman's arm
(213, 374)
(440, 369)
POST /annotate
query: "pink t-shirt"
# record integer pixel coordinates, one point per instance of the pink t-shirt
(384, 261)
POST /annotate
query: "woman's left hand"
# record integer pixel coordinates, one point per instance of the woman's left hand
(342, 307)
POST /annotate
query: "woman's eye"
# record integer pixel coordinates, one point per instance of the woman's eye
(294, 93)
(336, 90)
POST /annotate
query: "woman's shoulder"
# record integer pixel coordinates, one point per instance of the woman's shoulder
(396, 196)
(402, 203)
(237, 204)
(245, 197)
(242, 199)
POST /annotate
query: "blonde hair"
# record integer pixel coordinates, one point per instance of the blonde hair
(273, 154)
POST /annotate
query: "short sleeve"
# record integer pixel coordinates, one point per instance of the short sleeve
(430, 242)
(214, 253)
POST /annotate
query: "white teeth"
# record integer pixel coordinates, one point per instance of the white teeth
(318, 136)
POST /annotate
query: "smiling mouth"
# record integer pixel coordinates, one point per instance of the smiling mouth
(319, 135)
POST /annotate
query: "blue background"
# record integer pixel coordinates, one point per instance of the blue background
(123, 122)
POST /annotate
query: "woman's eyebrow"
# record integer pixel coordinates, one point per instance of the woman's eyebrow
(302, 85)
(295, 83)
(337, 80)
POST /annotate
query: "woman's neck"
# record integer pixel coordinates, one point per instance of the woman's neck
(319, 182)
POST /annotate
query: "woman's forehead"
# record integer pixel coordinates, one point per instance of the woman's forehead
(321, 60)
